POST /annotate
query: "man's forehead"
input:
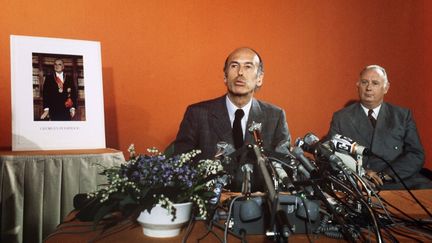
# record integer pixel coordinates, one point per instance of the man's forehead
(374, 74)
(244, 58)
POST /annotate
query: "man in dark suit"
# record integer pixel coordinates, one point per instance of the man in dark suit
(209, 122)
(59, 95)
(388, 130)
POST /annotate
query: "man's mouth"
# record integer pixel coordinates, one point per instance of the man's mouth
(240, 82)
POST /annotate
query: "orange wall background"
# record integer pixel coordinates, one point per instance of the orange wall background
(160, 56)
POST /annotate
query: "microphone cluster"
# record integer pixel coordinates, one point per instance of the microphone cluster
(313, 185)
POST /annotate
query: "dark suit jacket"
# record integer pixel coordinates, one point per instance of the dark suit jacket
(55, 100)
(207, 123)
(395, 138)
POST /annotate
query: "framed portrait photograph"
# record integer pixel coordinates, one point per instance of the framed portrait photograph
(57, 94)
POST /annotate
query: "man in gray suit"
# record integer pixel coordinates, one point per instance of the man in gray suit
(209, 122)
(388, 130)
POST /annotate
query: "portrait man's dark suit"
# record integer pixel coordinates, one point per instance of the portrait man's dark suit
(394, 138)
(207, 123)
(55, 98)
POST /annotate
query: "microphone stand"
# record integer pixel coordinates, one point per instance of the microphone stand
(278, 219)
(281, 228)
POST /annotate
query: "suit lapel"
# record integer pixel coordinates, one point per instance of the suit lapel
(384, 123)
(361, 123)
(219, 120)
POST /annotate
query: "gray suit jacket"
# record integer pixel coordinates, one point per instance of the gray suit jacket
(207, 123)
(395, 138)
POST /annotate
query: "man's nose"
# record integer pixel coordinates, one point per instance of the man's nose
(240, 71)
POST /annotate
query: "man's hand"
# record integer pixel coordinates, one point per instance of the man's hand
(44, 115)
(374, 177)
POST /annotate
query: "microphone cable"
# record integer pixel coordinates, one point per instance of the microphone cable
(189, 228)
(229, 217)
(404, 185)
(406, 215)
(371, 212)
(400, 179)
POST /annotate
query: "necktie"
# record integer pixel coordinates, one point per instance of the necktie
(237, 129)
(371, 118)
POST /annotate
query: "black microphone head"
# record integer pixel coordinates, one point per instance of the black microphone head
(310, 143)
(250, 210)
(310, 138)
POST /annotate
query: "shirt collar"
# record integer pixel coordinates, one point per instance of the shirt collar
(231, 107)
(375, 110)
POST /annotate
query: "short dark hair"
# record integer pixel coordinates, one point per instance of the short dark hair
(260, 65)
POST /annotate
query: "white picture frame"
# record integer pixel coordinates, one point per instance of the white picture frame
(31, 58)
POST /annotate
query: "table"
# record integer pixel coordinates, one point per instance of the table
(37, 188)
(73, 231)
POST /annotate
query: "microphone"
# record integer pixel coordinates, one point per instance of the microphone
(347, 145)
(313, 145)
(223, 151)
(283, 176)
(283, 147)
(303, 171)
(310, 141)
(218, 186)
(299, 154)
(247, 169)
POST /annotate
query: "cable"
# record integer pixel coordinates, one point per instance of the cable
(371, 212)
(309, 222)
(229, 217)
(406, 215)
(404, 185)
(189, 228)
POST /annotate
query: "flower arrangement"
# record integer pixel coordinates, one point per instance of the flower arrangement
(146, 180)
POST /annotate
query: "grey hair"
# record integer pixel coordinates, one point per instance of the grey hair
(377, 67)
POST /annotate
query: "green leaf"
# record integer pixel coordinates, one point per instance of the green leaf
(103, 211)
(126, 201)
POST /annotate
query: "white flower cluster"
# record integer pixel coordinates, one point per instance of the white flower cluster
(202, 210)
(186, 157)
(117, 183)
(210, 167)
(154, 150)
(131, 150)
(164, 202)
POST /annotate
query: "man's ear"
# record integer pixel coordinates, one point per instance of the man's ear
(260, 80)
(386, 87)
(225, 80)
